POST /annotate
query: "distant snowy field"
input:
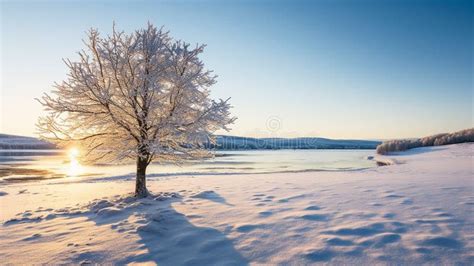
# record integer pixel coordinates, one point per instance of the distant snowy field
(419, 210)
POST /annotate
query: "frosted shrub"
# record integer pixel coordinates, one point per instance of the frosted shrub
(462, 136)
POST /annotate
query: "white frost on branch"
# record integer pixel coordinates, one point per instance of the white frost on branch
(138, 95)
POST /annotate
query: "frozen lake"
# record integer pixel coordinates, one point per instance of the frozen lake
(22, 165)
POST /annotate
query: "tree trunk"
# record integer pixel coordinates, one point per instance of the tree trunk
(140, 185)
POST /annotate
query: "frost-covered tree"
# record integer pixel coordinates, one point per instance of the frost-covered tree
(141, 96)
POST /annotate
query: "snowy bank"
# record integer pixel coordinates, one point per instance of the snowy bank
(418, 211)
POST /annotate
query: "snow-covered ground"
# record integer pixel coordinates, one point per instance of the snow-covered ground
(419, 210)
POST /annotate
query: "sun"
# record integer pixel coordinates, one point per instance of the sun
(73, 153)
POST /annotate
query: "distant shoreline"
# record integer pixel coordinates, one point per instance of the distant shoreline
(223, 143)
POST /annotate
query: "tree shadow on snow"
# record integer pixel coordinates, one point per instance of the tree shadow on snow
(167, 235)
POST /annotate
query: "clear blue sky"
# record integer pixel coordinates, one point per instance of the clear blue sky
(339, 69)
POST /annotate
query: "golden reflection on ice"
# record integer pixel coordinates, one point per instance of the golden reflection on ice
(74, 168)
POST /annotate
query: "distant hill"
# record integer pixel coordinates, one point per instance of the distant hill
(244, 143)
(12, 142)
(223, 143)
